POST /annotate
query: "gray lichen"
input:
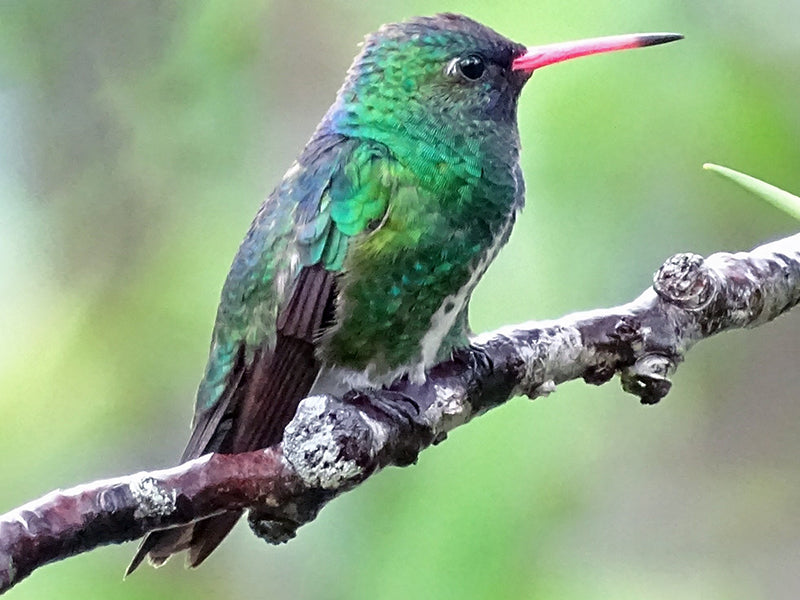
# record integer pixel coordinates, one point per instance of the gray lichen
(448, 411)
(326, 442)
(152, 500)
(333, 444)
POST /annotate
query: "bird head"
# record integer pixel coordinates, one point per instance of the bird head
(451, 67)
(446, 87)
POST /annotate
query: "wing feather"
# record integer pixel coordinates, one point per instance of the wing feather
(262, 360)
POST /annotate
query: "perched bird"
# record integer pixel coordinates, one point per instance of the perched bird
(359, 267)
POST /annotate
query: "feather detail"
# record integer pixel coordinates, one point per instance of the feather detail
(254, 410)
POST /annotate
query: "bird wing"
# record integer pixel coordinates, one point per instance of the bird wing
(278, 297)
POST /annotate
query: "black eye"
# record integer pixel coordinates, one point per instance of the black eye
(471, 67)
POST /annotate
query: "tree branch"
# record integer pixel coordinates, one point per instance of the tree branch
(333, 444)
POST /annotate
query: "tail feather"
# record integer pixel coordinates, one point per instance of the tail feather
(158, 546)
(260, 400)
(286, 375)
(208, 534)
(200, 539)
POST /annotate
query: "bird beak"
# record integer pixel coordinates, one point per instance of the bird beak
(541, 56)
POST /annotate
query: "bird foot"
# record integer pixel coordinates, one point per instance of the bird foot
(389, 404)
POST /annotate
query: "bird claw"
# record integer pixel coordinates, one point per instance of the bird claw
(401, 412)
(390, 404)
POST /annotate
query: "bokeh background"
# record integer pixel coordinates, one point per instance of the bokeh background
(137, 139)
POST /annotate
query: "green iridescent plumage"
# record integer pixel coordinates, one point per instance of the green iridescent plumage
(359, 267)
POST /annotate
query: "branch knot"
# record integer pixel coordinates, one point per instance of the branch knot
(685, 280)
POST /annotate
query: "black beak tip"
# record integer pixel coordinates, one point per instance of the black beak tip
(655, 39)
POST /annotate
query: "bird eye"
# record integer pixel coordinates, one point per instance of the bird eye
(471, 67)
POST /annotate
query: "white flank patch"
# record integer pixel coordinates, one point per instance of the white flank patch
(336, 381)
(442, 320)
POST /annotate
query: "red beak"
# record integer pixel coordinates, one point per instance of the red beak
(541, 56)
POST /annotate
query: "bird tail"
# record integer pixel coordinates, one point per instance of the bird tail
(200, 539)
(260, 399)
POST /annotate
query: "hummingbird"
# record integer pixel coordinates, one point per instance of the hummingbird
(359, 267)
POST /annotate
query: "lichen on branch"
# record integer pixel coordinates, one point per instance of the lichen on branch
(333, 444)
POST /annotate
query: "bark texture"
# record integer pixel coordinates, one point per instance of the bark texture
(333, 444)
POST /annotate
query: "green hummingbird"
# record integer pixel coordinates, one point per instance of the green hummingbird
(359, 266)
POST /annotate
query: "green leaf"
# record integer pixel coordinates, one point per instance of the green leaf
(782, 199)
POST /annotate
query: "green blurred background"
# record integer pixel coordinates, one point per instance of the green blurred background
(136, 142)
